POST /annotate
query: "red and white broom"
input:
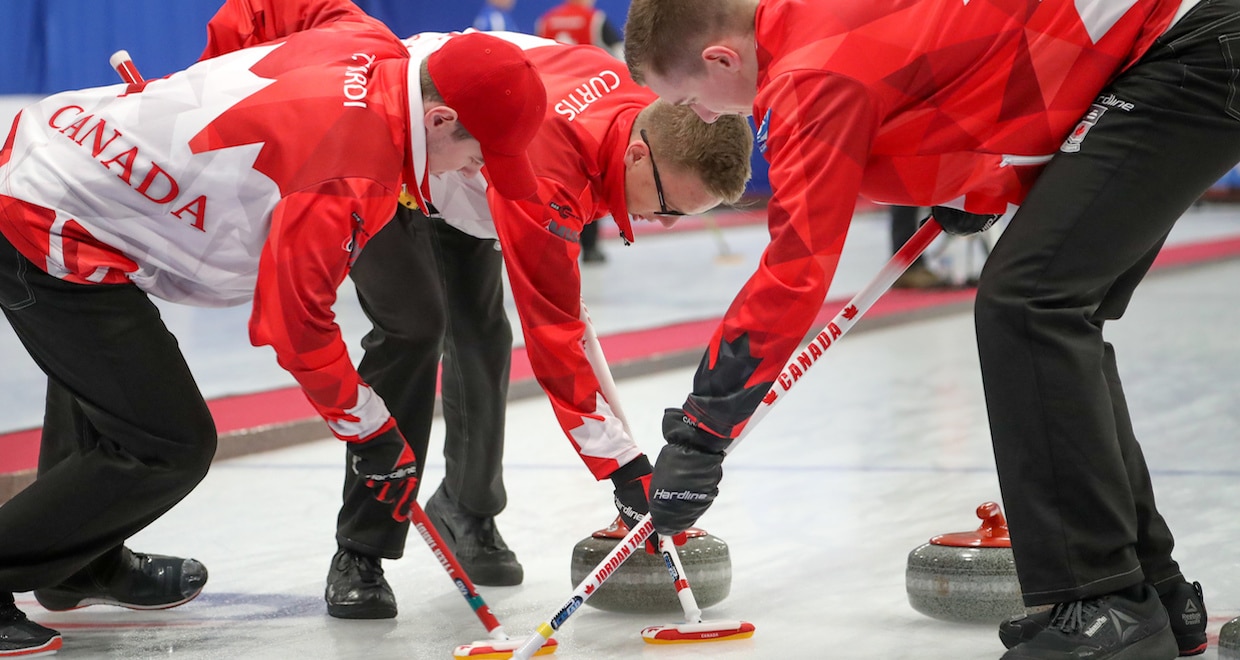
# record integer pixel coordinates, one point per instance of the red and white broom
(124, 66)
(827, 337)
(694, 629)
(500, 645)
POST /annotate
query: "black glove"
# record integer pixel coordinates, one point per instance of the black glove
(632, 482)
(390, 469)
(962, 223)
(631, 493)
(686, 476)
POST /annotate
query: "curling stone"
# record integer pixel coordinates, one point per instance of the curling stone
(966, 576)
(1229, 640)
(642, 583)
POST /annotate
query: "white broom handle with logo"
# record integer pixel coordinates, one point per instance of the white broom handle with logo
(632, 542)
(594, 352)
(837, 327)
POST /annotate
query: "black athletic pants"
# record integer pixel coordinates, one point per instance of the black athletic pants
(905, 221)
(126, 433)
(431, 290)
(588, 240)
(1075, 484)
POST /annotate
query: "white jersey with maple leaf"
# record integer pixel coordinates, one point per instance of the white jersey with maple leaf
(258, 173)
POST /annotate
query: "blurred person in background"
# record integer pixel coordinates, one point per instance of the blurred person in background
(496, 16)
(580, 22)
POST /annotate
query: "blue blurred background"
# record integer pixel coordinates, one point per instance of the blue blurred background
(53, 45)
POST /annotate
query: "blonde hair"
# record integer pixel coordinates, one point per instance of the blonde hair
(668, 36)
(717, 153)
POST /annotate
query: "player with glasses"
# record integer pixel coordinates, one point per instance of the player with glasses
(658, 183)
(590, 161)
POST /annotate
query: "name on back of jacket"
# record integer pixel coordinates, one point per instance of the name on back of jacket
(114, 152)
(588, 92)
(357, 80)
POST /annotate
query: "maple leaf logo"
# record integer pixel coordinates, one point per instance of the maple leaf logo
(850, 312)
(769, 399)
(734, 364)
(595, 435)
(589, 589)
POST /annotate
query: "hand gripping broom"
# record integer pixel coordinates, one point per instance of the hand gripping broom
(827, 337)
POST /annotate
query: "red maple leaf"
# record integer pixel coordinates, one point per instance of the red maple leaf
(850, 312)
(589, 589)
(769, 398)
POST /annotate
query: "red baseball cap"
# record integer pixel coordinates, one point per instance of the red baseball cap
(499, 98)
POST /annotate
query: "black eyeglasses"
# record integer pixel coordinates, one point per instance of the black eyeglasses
(658, 183)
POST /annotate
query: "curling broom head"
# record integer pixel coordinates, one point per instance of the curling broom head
(690, 633)
(494, 649)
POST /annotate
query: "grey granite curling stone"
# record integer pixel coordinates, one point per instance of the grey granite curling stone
(967, 576)
(1229, 640)
(642, 584)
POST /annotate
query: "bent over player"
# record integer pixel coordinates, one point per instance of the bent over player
(1103, 121)
(259, 174)
(594, 156)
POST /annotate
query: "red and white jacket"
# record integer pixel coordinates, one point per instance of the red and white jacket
(578, 158)
(920, 103)
(258, 173)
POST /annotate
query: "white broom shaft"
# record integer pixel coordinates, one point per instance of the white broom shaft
(602, 371)
(635, 539)
(598, 362)
(860, 303)
(636, 536)
(843, 321)
(693, 613)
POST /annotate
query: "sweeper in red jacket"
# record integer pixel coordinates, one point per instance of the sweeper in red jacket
(257, 175)
(1101, 121)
